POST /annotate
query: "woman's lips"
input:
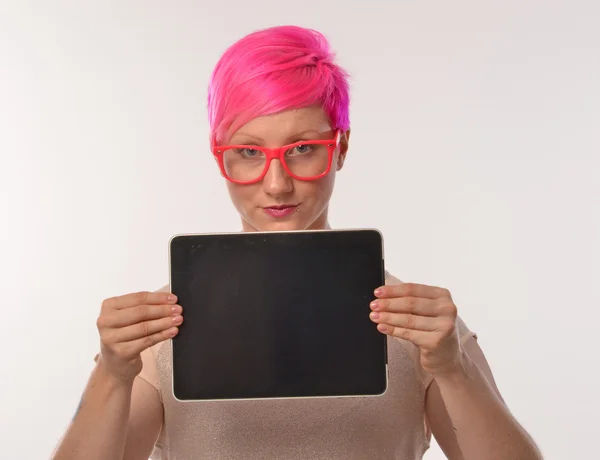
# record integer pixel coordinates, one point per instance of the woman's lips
(281, 211)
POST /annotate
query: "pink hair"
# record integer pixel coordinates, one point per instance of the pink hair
(272, 70)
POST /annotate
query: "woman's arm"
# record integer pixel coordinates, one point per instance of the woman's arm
(119, 415)
(145, 421)
(469, 418)
(116, 419)
(464, 409)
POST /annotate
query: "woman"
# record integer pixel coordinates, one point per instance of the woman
(280, 89)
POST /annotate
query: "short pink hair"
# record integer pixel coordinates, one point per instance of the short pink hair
(272, 70)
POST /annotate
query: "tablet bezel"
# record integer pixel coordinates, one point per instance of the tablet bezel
(383, 276)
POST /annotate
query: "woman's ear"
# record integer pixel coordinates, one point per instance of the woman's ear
(343, 147)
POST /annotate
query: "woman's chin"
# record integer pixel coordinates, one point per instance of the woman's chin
(292, 222)
(275, 225)
(285, 226)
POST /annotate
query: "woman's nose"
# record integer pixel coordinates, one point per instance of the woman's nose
(277, 181)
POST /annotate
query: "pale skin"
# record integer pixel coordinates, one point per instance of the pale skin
(121, 415)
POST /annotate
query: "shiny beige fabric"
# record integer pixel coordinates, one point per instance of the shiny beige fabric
(391, 426)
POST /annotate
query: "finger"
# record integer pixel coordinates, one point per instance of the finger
(140, 313)
(406, 321)
(139, 298)
(414, 305)
(135, 347)
(419, 338)
(145, 329)
(411, 290)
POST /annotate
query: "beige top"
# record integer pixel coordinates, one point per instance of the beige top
(392, 426)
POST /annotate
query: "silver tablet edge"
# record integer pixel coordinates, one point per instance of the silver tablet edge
(387, 376)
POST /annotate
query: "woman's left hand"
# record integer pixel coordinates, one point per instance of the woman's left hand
(425, 316)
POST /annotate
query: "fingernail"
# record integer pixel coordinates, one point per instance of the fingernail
(374, 315)
(378, 291)
(375, 305)
(172, 298)
(176, 309)
(177, 319)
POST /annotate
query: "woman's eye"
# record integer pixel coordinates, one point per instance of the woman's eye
(248, 152)
(303, 148)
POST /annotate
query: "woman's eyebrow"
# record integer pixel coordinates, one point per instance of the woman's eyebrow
(311, 133)
(290, 138)
(245, 136)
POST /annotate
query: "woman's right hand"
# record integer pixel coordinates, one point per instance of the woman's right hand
(132, 323)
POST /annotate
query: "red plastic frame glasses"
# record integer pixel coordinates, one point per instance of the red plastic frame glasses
(276, 154)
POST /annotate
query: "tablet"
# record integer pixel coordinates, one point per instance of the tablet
(277, 315)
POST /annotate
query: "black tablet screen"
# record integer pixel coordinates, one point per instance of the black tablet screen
(277, 315)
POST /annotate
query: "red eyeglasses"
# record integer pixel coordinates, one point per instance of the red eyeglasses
(305, 160)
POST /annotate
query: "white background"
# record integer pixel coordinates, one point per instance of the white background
(475, 149)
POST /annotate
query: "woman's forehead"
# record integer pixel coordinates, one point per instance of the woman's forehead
(282, 126)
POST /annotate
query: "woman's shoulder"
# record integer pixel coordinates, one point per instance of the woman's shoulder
(165, 288)
(149, 356)
(156, 348)
(391, 279)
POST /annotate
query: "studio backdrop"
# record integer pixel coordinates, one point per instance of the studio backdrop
(475, 142)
